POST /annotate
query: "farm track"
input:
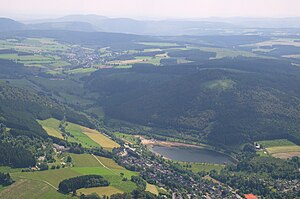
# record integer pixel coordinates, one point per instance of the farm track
(44, 181)
(101, 162)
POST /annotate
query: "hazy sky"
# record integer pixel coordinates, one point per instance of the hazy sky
(151, 8)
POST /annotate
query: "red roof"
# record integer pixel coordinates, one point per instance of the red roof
(250, 196)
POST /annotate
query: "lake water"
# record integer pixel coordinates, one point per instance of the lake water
(191, 154)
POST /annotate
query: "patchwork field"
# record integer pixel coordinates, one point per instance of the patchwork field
(222, 53)
(281, 148)
(277, 41)
(81, 70)
(107, 191)
(99, 138)
(79, 136)
(29, 189)
(155, 60)
(84, 160)
(84, 164)
(158, 44)
(86, 136)
(276, 143)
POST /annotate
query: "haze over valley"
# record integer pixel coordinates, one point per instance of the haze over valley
(144, 101)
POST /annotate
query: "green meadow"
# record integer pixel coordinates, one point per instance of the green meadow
(198, 166)
(45, 183)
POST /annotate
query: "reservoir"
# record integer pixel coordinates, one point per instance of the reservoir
(191, 154)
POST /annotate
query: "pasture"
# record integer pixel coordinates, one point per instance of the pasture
(36, 52)
(277, 41)
(51, 127)
(83, 160)
(80, 134)
(29, 189)
(130, 139)
(280, 148)
(107, 191)
(99, 138)
(84, 164)
(196, 167)
(276, 143)
(109, 163)
(222, 53)
(159, 44)
(152, 189)
(123, 66)
(81, 70)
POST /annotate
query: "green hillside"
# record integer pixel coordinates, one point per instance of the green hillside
(227, 101)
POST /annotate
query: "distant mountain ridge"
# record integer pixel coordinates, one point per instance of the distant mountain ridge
(205, 26)
(7, 24)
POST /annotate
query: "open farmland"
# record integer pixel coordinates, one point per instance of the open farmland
(222, 53)
(84, 160)
(281, 148)
(28, 189)
(99, 138)
(152, 189)
(159, 44)
(84, 164)
(86, 136)
(155, 60)
(108, 191)
(131, 139)
(196, 167)
(51, 127)
(35, 52)
(276, 143)
(277, 41)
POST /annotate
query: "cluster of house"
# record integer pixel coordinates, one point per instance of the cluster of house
(166, 177)
(80, 56)
(285, 186)
(58, 148)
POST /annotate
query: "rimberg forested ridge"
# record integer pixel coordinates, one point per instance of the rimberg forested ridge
(21, 108)
(225, 101)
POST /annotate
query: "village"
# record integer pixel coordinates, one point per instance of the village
(156, 171)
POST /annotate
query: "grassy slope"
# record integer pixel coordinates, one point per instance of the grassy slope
(280, 148)
(276, 143)
(126, 138)
(76, 131)
(100, 139)
(152, 189)
(87, 137)
(197, 166)
(84, 160)
(51, 127)
(84, 164)
(29, 189)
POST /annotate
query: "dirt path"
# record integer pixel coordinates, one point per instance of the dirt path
(44, 181)
(48, 183)
(100, 162)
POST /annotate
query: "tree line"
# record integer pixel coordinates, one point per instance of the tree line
(86, 181)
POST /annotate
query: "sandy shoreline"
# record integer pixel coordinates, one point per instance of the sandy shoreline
(152, 142)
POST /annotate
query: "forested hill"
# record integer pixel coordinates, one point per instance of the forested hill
(20, 108)
(91, 39)
(225, 101)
